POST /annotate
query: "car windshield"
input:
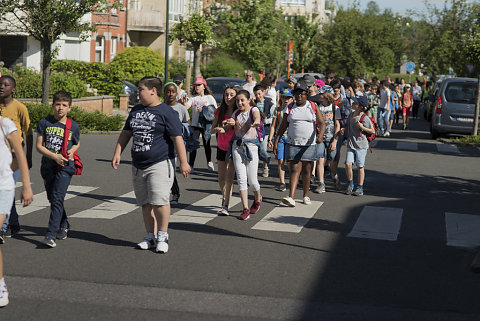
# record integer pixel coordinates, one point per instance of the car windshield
(217, 86)
(461, 92)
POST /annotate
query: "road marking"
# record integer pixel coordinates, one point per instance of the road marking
(407, 146)
(202, 211)
(286, 219)
(40, 200)
(110, 209)
(463, 230)
(445, 148)
(380, 223)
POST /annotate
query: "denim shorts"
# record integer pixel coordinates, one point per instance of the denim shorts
(281, 149)
(307, 153)
(356, 156)
(6, 201)
(324, 150)
(152, 185)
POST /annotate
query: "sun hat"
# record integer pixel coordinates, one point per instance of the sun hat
(199, 81)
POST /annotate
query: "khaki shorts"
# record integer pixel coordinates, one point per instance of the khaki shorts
(152, 185)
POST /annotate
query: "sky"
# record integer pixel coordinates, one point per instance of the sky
(397, 6)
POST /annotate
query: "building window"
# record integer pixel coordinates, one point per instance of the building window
(113, 48)
(177, 10)
(293, 2)
(100, 49)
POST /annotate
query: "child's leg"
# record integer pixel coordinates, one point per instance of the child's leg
(207, 147)
(281, 170)
(241, 171)
(361, 175)
(349, 171)
(306, 172)
(56, 186)
(295, 167)
(252, 172)
(175, 188)
(222, 173)
(149, 219)
(162, 216)
(6, 198)
(193, 153)
(229, 177)
(321, 169)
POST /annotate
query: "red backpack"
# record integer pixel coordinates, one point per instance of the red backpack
(370, 137)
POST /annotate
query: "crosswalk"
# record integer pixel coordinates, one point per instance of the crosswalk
(440, 148)
(374, 222)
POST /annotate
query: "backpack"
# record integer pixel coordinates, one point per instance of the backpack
(260, 129)
(76, 158)
(370, 137)
(345, 110)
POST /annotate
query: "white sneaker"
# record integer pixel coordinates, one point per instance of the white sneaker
(3, 295)
(265, 172)
(147, 243)
(386, 134)
(210, 166)
(307, 201)
(223, 211)
(162, 243)
(287, 200)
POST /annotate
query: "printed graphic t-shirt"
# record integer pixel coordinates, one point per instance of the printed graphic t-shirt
(329, 117)
(52, 131)
(151, 128)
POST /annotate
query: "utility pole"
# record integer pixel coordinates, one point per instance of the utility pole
(166, 41)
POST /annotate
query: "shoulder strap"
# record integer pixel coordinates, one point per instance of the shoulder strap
(313, 106)
(66, 133)
(289, 107)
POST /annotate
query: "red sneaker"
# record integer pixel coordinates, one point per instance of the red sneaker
(255, 207)
(245, 214)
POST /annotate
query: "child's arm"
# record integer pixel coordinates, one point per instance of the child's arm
(281, 129)
(72, 150)
(320, 125)
(27, 195)
(256, 118)
(123, 140)
(58, 158)
(272, 132)
(333, 144)
(182, 154)
(365, 129)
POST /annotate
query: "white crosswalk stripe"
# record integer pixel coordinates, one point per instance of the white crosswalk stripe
(463, 230)
(446, 148)
(110, 209)
(286, 219)
(407, 146)
(202, 211)
(380, 223)
(40, 200)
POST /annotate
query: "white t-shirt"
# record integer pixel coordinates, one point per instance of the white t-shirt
(272, 94)
(384, 99)
(6, 174)
(301, 125)
(249, 87)
(196, 102)
(246, 121)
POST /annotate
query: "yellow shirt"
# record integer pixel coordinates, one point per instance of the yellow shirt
(18, 113)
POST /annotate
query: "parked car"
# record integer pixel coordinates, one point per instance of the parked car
(454, 107)
(316, 75)
(218, 84)
(281, 84)
(432, 98)
(132, 91)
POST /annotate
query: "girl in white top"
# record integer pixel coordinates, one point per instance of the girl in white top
(9, 137)
(246, 122)
(269, 82)
(201, 97)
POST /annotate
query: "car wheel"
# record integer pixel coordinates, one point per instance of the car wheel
(434, 133)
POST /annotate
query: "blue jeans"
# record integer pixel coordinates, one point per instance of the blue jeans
(56, 185)
(13, 217)
(383, 117)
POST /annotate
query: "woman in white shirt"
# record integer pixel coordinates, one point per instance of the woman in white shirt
(306, 127)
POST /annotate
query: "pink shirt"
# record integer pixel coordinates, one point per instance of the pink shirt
(223, 139)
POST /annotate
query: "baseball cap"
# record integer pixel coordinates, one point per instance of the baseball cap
(362, 100)
(300, 86)
(178, 78)
(320, 83)
(408, 86)
(292, 79)
(310, 80)
(325, 89)
(199, 81)
(286, 92)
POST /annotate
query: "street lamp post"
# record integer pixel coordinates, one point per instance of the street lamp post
(166, 41)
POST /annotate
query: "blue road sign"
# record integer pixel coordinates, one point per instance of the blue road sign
(410, 66)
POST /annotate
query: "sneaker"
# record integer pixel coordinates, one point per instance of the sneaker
(12, 229)
(223, 211)
(287, 200)
(404, 126)
(210, 166)
(3, 295)
(147, 243)
(162, 243)
(386, 134)
(62, 232)
(307, 201)
(265, 172)
(320, 188)
(358, 191)
(338, 185)
(245, 214)
(282, 187)
(2, 237)
(255, 207)
(174, 200)
(349, 189)
(48, 241)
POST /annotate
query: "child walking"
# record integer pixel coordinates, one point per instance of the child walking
(9, 139)
(407, 103)
(357, 144)
(246, 150)
(57, 168)
(266, 107)
(157, 134)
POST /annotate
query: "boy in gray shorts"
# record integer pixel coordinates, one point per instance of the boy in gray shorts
(157, 134)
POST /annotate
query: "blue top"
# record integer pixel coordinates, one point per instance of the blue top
(394, 103)
(151, 128)
(52, 131)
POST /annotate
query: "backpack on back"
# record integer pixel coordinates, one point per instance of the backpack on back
(370, 137)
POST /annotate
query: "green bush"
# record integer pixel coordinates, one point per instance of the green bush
(177, 66)
(86, 120)
(138, 62)
(68, 82)
(223, 66)
(29, 82)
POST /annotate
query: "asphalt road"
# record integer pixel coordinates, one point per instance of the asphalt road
(382, 256)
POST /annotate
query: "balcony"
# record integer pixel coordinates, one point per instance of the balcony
(145, 20)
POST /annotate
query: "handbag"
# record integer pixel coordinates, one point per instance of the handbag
(76, 158)
(14, 165)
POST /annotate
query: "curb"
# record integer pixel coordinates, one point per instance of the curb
(449, 141)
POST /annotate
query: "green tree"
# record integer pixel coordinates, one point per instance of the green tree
(303, 32)
(46, 21)
(194, 31)
(473, 56)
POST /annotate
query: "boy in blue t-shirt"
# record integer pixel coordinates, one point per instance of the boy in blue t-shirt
(157, 133)
(56, 169)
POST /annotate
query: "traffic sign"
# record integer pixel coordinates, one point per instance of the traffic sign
(410, 66)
